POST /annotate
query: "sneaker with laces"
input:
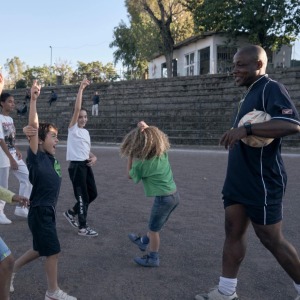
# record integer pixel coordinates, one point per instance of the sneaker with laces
(4, 220)
(87, 232)
(137, 240)
(21, 211)
(70, 219)
(11, 287)
(214, 294)
(147, 261)
(58, 295)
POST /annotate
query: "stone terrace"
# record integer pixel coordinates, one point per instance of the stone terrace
(191, 110)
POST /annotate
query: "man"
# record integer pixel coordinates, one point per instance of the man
(95, 104)
(256, 178)
(53, 97)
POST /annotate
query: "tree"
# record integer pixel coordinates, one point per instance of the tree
(63, 69)
(129, 50)
(14, 68)
(269, 23)
(42, 74)
(172, 20)
(94, 71)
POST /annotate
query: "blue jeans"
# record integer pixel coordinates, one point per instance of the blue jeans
(162, 207)
(4, 250)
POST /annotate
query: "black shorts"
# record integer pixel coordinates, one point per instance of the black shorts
(261, 215)
(42, 224)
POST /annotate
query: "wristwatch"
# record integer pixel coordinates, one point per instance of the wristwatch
(248, 125)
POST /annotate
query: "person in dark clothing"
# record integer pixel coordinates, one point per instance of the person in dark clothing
(53, 97)
(95, 106)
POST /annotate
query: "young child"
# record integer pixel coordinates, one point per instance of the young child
(45, 176)
(80, 169)
(10, 157)
(6, 258)
(148, 146)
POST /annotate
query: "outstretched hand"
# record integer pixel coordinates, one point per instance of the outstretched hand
(142, 125)
(84, 84)
(1, 83)
(35, 90)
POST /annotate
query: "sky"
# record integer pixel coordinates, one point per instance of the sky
(76, 31)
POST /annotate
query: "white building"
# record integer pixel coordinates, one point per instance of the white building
(210, 53)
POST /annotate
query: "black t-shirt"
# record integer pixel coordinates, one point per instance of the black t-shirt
(45, 177)
(256, 176)
(96, 99)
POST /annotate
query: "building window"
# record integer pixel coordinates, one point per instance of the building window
(189, 64)
(204, 61)
(225, 58)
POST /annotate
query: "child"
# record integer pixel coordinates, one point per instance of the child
(148, 146)
(10, 157)
(6, 258)
(45, 176)
(80, 169)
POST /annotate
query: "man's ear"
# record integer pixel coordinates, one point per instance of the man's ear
(40, 142)
(259, 64)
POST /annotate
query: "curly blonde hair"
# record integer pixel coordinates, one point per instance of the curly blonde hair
(144, 144)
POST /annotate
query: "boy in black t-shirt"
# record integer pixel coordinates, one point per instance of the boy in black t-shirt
(43, 168)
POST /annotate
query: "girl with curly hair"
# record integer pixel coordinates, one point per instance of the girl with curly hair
(146, 148)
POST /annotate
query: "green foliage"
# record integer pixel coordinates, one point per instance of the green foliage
(270, 23)
(94, 71)
(155, 26)
(14, 68)
(21, 84)
(42, 74)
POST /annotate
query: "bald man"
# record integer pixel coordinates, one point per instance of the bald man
(256, 178)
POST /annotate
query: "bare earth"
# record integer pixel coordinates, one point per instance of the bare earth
(102, 268)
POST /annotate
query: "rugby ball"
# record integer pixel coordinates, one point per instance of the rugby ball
(255, 116)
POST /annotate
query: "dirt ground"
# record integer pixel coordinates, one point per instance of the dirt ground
(102, 268)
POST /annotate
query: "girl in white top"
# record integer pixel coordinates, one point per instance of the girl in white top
(10, 157)
(80, 168)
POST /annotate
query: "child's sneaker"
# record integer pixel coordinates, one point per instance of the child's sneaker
(137, 240)
(87, 232)
(216, 295)
(11, 288)
(70, 219)
(147, 261)
(58, 295)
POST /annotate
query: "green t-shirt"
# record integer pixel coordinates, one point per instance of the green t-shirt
(156, 175)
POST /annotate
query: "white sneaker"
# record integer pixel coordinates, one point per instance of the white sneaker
(11, 288)
(58, 295)
(21, 211)
(216, 295)
(3, 219)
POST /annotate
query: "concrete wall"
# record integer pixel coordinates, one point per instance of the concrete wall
(191, 110)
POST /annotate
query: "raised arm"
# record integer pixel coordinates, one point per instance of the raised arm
(78, 102)
(1, 83)
(33, 116)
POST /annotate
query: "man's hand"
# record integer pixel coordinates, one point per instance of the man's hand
(35, 90)
(230, 137)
